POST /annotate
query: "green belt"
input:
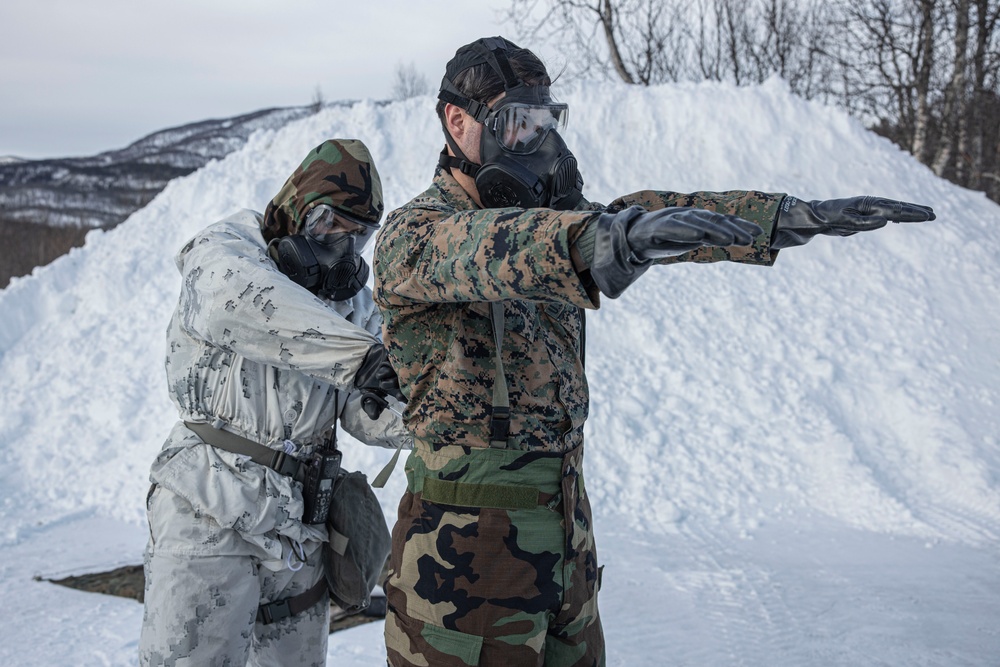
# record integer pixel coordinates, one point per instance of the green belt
(260, 454)
(491, 477)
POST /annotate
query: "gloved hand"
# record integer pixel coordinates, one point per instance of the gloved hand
(799, 221)
(376, 380)
(627, 242)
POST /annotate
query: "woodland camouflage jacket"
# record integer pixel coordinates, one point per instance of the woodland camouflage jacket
(440, 260)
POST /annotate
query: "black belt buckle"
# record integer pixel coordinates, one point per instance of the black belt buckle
(284, 464)
(274, 611)
(500, 424)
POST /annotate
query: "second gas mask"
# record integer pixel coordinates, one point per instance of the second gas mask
(324, 259)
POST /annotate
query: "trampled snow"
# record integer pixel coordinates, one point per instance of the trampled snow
(795, 465)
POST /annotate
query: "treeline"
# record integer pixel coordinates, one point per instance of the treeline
(25, 245)
(924, 73)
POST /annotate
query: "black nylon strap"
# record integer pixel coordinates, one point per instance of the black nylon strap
(477, 110)
(278, 610)
(500, 413)
(497, 57)
(451, 162)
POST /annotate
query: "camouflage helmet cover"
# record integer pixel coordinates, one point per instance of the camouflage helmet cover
(338, 172)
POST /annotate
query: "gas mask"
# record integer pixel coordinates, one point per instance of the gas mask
(525, 163)
(324, 258)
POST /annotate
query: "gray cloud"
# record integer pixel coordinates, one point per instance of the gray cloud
(77, 78)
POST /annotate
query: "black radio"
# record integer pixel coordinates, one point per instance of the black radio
(317, 487)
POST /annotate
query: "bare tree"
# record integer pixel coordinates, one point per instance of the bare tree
(317, 101)
(637, 41)
(894, 69)
(656, 41)
(952, 126)
(925, 74)
(409, 83)
(982, 145)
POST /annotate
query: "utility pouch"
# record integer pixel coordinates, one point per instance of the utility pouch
(359, 542)
(317, 486)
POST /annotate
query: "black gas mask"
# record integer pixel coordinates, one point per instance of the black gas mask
(326, 257)
(525, 163)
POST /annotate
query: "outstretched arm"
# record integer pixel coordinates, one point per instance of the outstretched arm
(665, 227)
(799, 221)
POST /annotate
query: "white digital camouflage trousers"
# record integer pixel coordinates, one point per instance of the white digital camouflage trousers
(201, 608)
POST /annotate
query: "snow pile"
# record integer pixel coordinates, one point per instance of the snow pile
(745, 422)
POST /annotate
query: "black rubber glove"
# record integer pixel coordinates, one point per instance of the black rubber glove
(627, 242)
(799, 221)
(376, 380)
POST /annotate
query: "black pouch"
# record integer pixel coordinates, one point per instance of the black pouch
(359, 542)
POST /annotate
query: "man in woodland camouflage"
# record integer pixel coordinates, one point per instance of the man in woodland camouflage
(274, 341)
(493, 559)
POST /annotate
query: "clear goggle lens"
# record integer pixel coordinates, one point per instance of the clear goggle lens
(521, 128)
(324, 225)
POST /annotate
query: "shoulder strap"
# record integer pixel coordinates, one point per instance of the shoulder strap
(383, 476)
(500, 417)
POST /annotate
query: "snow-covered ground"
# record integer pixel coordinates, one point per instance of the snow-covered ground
(790, 466)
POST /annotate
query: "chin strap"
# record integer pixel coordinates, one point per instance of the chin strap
(460, 163)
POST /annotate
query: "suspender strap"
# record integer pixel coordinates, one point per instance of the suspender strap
(500, 418)
(383, 476)
(278, 610)
(272, 458)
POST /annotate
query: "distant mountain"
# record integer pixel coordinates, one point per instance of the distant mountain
(47, 206)
(102, 190)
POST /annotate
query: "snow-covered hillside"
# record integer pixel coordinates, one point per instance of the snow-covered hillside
(796, 465)
(102, 190)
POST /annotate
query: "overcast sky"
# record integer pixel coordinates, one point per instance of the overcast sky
(78, 77)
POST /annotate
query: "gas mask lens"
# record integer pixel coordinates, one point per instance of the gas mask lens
(521, 128)
(326, 225)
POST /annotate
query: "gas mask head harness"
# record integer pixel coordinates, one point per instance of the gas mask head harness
(525, 162)
(325, 257)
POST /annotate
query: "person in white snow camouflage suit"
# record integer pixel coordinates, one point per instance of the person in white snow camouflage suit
(274, 341)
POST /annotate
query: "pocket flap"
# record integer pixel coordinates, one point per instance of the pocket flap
(463, 646)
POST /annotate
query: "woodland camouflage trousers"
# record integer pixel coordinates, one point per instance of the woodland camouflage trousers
(493, 562)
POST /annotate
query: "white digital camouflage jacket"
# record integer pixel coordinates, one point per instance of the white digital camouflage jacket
(254, 353)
